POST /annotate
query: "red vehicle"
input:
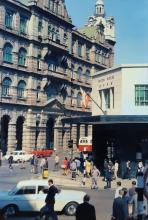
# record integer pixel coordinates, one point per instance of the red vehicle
(85, 144)
(42, 152)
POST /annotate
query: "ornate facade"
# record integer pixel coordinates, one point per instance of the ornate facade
(46, 66)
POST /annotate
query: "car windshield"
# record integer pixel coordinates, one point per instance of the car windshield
(13, 190)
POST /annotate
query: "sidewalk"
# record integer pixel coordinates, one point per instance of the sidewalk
(62, 180)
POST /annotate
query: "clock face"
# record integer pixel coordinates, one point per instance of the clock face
(146, 184)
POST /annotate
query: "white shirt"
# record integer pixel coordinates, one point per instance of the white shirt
(117, 191)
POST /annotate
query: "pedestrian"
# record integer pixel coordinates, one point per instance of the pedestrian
(119, 208)
(88, 167)
(119, 187)
(36, 161)
(50, 198)
(95, 173)
(10, 161)
(42, 164)
(78, 163)
(64, 166)
(125, 198)
(140, 167)
(105, 169)
(133, 199)
(128, 169)
(32, 164)
(85, 210)
(56, 162)
(73, 168)
(116, 167)
(48, 209)
(108, 177)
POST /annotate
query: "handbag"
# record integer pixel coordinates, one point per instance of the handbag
(63, 166)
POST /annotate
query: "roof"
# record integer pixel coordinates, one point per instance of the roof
(120, 67)
(24, 2)
(107, 119)
(88, 31)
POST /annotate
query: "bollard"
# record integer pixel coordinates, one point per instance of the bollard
(140, 198)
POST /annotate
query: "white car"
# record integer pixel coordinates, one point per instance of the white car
(19, 155)
(26, 197)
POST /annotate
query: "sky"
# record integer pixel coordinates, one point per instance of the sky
(131, 20)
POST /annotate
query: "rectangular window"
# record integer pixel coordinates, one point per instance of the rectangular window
(87, 53)
(80, 50)
(8, 18)
(141, 95)
(107, 98)
(23, 25)
(40, 26)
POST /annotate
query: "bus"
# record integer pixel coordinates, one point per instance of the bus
(85, 144)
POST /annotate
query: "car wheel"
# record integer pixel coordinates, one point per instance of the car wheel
(11, 210)
(70, 208)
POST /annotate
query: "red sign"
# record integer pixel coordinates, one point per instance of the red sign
(146, 183)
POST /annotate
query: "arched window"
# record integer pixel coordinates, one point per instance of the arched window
(79, 73)
(22, 57)
(21, 89)
(6, 84)
(79, 99)
(87, 75)
(7, 53)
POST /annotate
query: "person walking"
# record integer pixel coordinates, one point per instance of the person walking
(50, 199)
(116, 168)
(10, 161)
(128, 169)
(85, 210)
(95, 173)
(119, 211)
(73, 168)
(108, 177)
(119, 187)
(56, 162)
(133, 199)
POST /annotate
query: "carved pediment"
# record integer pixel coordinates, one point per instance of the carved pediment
(54, 104)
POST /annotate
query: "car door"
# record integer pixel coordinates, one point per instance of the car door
(41, 195)
(25, 198)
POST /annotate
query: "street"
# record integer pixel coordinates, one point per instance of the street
(102, 199)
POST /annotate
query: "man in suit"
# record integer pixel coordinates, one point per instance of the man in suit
(120, 207)
(50, 199)
(85, 211)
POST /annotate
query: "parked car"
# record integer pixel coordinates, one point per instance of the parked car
(19, 155)
(42, 152)
(26, 197)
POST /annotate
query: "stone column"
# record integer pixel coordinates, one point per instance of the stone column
(82, 130)
(58, 140)
(11, 136)
(29, 129)
(74, 135)
(90, 127)
(66, 136)
(41, 141)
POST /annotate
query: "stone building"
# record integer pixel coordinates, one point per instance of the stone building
(46, 65)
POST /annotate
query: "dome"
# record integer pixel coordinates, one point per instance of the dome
(99, 2)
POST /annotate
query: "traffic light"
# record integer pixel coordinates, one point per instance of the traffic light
(70, 143)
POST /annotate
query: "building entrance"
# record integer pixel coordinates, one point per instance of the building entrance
(122, 142)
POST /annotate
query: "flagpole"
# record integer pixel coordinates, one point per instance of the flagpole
(104, 112)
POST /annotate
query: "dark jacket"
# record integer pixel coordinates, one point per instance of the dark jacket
(50, 198)
(85, 211)
(120, 209)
